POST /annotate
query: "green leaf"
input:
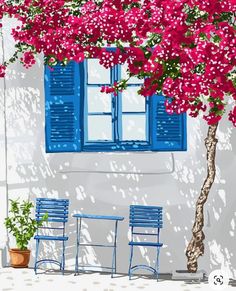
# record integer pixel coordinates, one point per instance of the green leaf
(20, 222)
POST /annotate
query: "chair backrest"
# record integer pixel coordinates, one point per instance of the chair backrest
(57, 210)
(145, 216)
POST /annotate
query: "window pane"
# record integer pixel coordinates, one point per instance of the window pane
(97, 74)
(97, 101)
(132, 101)
(99, 128)
(133, 127)
(124, 75)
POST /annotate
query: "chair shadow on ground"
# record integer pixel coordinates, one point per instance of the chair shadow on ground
(56, 272)
(232, 282)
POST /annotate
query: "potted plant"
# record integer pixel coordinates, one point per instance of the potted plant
(23, 227)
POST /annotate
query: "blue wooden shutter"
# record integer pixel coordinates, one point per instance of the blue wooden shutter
(63, 88)
(168, 131)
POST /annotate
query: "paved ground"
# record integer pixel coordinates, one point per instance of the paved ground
(25, 280)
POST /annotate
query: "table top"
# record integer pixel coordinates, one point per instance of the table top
(93, 216)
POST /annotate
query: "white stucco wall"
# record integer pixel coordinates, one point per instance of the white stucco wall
(33, 173)
(3, 172)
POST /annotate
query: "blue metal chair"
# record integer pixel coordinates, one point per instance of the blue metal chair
(145, 217)
(57, 210)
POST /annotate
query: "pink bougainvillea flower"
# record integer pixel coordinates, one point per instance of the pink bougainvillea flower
(232, 116)
(183, 54)
(28, 59)
(2, 71)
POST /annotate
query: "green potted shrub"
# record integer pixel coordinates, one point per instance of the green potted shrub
(23, 227)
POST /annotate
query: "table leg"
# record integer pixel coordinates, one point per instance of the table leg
(78, 232)
(113, 270)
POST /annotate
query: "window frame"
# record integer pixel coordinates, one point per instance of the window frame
(116, 113)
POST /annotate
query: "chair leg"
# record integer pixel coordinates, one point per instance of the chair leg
(113, 267)
(130, 261)
(157, 263)
(36, 256)
(63, 258)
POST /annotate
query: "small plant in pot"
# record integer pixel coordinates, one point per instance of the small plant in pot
(23, 227)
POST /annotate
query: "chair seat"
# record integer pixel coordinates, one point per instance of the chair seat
(45, 237)
(145, 244)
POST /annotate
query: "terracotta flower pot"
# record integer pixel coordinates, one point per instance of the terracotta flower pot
(19, 258)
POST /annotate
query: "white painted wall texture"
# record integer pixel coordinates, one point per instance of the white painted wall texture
(32, 173)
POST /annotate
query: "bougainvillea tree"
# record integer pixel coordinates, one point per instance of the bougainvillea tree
(185, 49)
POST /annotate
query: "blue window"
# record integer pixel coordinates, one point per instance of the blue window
(81, 118)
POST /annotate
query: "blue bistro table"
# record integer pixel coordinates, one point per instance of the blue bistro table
(79, 218)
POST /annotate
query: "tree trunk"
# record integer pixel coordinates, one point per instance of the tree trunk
(196, 247)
